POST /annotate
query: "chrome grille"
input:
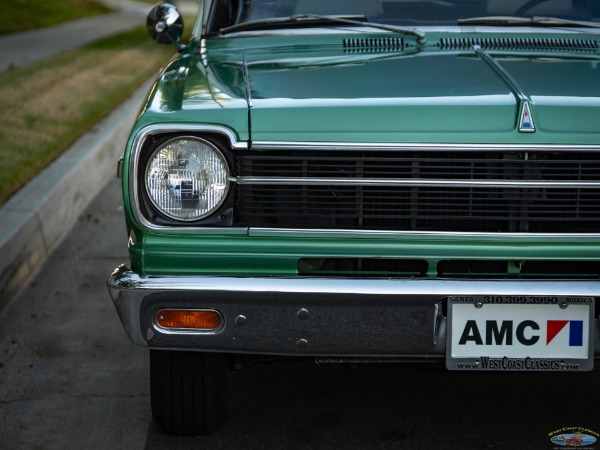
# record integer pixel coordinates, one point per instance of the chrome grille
(499, 191)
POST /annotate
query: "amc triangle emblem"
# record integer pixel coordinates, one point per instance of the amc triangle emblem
(526, 124)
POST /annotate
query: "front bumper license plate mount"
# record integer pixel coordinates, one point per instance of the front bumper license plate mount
(520, 333)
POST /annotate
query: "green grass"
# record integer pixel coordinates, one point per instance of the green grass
(23, 15)
(48, 105)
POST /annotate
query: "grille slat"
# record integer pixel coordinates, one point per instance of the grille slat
(482, 208)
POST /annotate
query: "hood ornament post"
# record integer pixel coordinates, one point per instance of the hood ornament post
(526, 124)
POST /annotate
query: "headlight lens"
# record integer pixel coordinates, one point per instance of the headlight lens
(186, 178)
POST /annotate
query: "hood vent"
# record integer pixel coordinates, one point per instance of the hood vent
(368, 45)
(519, 44)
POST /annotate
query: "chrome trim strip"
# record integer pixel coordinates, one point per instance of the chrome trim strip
(136, 147)
(150, 130)
(123, 279)
(360, 234)
(314, 181)
(407, 146)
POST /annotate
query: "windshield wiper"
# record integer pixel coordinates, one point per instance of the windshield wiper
(527, 21)
(297, 18)
(302, 18)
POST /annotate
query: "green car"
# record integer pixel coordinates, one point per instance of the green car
(363, 181)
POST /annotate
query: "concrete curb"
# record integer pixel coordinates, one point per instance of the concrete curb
(35, 220)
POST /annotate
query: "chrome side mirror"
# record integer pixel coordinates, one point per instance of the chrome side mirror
(165, 25)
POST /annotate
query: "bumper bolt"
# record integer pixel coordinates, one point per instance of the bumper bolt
(240, 320)
(302, 314)
(301, 344)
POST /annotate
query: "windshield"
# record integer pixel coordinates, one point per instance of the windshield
(227, 13)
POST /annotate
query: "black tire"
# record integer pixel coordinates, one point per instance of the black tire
(188, 391)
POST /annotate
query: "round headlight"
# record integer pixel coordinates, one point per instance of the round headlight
(187, 178)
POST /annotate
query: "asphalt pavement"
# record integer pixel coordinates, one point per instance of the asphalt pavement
(35, 220)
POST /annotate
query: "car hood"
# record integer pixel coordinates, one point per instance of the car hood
(424, 96)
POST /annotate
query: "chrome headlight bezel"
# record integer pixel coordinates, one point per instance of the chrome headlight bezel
(209, 167)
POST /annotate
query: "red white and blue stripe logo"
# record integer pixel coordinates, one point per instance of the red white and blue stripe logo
(574, 330)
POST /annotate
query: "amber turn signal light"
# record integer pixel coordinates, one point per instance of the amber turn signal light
(189, 319)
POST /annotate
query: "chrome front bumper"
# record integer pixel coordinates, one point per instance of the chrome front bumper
(399, 318)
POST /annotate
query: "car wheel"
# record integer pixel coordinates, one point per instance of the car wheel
(188, 391)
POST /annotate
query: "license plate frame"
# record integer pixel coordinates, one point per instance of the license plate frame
(520, 333)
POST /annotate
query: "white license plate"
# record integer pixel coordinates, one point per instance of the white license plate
(522, 333)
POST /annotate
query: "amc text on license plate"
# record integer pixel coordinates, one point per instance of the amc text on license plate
(492, 332)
